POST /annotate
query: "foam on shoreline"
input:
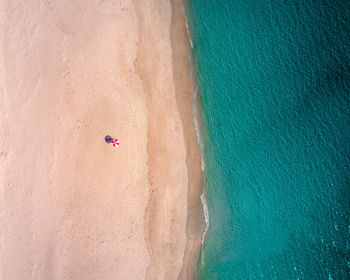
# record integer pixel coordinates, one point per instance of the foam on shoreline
(197, 121)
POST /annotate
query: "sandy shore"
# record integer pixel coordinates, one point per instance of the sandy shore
(71, 206)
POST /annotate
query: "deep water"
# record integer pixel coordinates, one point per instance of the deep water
(275, 83)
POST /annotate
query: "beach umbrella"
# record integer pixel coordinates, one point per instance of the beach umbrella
(109, 139)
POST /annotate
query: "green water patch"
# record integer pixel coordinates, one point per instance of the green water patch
(275, 83)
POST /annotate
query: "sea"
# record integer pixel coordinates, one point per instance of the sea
(274, 79)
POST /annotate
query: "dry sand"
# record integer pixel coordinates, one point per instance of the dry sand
(71, 206)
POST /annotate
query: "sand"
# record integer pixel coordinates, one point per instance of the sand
(72, 206)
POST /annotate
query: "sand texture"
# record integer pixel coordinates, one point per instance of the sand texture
(72, 206)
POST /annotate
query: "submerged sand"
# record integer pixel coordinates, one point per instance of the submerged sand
(71, 206)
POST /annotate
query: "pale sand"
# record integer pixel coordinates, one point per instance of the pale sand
(71, 206)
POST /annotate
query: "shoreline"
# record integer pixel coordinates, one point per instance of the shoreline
(174, 223)
(198, 124)
(200, 132)
(196, 218)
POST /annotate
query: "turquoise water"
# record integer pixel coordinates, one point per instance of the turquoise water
(275, 83)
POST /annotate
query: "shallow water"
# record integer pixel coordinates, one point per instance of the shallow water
(275, 82)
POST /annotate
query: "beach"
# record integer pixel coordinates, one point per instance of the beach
(72, 206)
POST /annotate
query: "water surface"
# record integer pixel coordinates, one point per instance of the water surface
(275, 83)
